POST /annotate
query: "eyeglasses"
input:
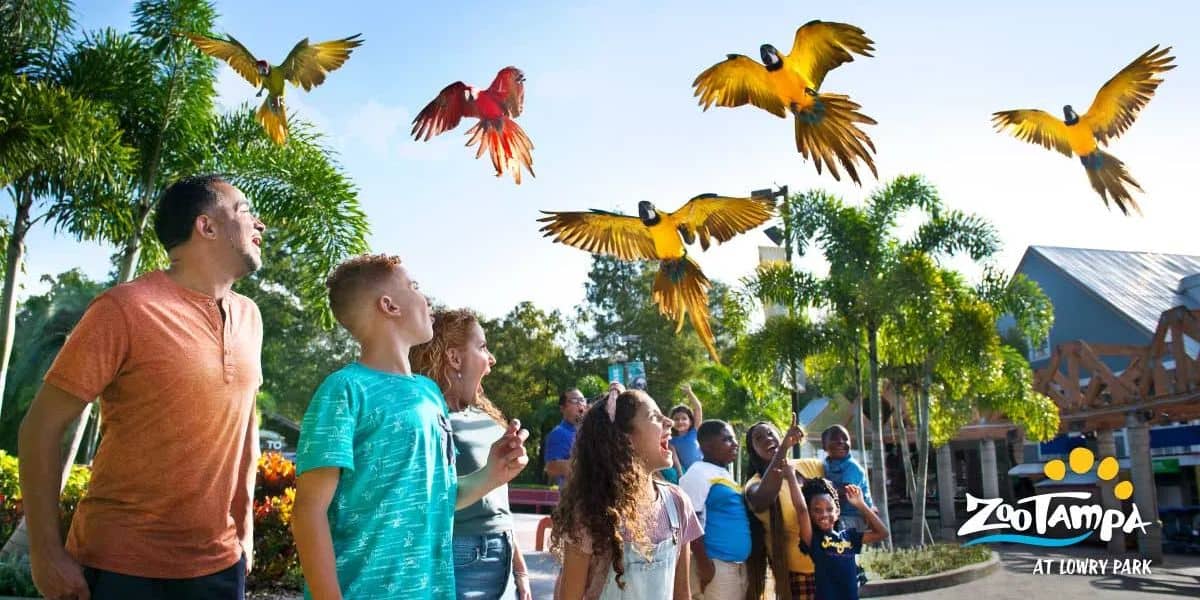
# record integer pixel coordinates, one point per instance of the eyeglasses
(580, 400)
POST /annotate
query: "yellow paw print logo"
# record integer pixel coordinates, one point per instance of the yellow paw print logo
(1081, 460)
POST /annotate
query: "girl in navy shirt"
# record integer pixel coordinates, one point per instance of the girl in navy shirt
(833, 552)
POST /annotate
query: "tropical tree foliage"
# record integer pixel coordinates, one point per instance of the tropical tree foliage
(863, 246)
(59, 151)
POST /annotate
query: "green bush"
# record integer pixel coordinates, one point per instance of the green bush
(15, 578)
(914, 562)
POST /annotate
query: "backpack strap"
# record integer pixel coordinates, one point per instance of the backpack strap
(672, 509)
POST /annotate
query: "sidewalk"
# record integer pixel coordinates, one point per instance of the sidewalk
(1177, 577)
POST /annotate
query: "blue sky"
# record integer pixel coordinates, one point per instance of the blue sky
(610, 110)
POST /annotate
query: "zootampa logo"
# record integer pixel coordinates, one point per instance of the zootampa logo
(1048, 511)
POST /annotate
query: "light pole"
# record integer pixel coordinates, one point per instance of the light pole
(783, 237)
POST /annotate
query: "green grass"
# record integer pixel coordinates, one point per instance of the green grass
(914, 562)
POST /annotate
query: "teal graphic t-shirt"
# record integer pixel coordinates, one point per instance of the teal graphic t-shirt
(392, 515)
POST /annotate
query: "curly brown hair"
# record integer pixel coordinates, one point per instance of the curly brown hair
(351, 278)
(604, 492)
(450, 330)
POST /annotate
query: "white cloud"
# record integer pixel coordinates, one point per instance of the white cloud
(376, 126)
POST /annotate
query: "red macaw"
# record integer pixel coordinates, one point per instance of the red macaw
(496, 132)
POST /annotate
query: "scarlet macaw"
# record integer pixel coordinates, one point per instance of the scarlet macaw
(496, 132)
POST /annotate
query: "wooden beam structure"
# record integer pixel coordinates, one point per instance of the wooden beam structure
(1158, 381)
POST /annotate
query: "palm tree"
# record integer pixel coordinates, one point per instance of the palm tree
(58, 150)
(161, 91)
(784, 341)
(862, 247)
(942, 341)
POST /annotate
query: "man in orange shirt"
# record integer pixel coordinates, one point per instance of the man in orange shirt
(174, 357)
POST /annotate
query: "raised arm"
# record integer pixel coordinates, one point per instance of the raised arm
(760, 495)
(802, 520)
(506, 458)
(697, 408)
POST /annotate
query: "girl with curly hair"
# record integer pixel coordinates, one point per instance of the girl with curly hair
(487, 562)
(619, 533)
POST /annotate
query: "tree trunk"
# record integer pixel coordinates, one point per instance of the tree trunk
(878, 473)
(922, 424)
(913, 478)
(860, 430)
(12, 270)
(901, 436)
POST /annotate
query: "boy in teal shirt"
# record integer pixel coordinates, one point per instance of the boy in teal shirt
(377, 487)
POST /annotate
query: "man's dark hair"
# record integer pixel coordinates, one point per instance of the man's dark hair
(709, 430)
(181, 203)
(562, 396)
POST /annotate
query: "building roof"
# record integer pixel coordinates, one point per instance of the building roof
(1137, 285)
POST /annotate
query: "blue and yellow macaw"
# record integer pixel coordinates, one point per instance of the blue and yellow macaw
(827, 125)
(1112, 112)
(680, 288)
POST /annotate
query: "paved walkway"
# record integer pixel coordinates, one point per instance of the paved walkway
(1177, 577)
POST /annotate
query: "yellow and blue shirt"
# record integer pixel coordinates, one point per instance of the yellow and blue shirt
(721, 509)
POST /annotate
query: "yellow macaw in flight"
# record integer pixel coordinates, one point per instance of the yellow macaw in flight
(305, 66)
(827, 125)
(680, 288)
(1112, 112)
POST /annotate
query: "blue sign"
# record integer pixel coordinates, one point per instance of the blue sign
(635, 377)
(616, 373)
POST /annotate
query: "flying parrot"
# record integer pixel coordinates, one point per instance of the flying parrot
(680, 288)
(496, 132)
(1112, 112)
(305, 66)
(827, 125)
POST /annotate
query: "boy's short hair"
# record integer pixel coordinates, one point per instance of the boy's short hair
(832, 428)
(352, 278)
(709, 430)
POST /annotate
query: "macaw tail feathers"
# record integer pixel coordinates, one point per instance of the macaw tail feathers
(680, 288)
(1109, 178)
(273, 116)
(828, 132)
(506, 143)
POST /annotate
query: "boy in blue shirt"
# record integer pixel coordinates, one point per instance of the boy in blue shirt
(377, 488)
(720, 554)
(841, 469)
